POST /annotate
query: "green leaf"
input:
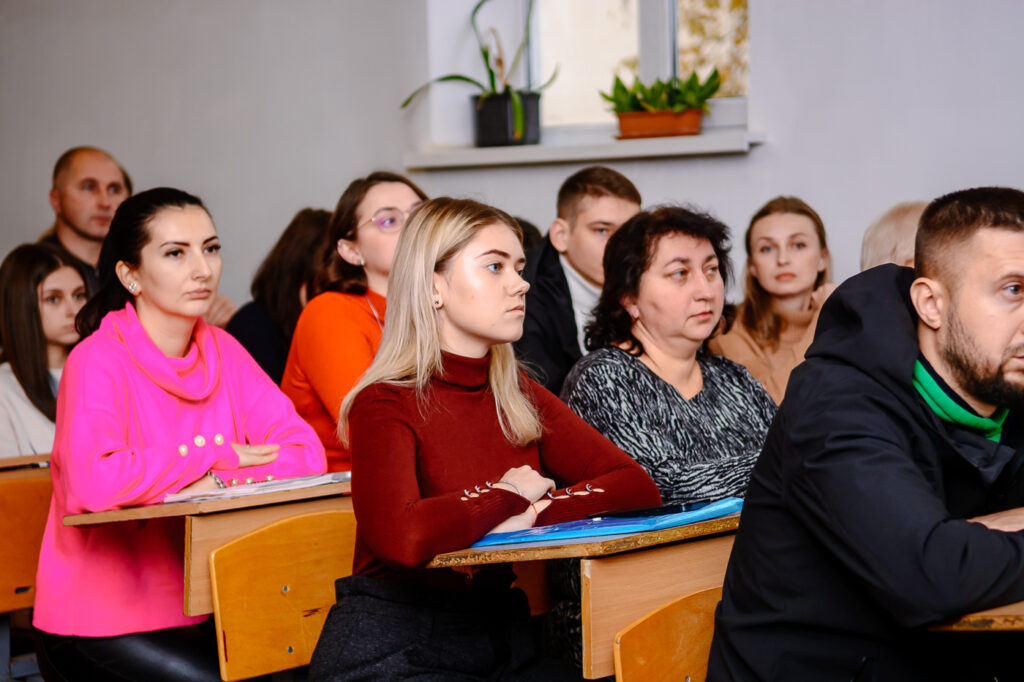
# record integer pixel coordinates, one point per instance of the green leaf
(549, 81)
(518, 117)
(439, 79)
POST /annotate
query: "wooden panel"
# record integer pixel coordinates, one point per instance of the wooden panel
(205, 533)
(1009, 617)
(562, 549)
(273, 588)
(618, 590)
(208, 506)
(24, 506)
(670, 643)
(22, 461)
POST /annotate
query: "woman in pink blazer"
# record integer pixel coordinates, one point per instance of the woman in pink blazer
(153, 401)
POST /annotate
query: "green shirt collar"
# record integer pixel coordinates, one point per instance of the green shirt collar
(949, 410)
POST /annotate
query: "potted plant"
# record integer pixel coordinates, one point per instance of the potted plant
(672, 107)
(503, 114)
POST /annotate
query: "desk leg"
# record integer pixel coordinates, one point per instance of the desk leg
(206, 532)
(619, 589)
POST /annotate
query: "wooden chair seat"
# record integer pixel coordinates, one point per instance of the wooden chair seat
(24, 505)
(669, 643)
(272, 589)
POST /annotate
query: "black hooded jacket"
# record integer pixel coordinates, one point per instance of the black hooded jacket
(853, 534)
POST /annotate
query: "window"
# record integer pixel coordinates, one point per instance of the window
(713, 33)
(591, 41)
(588, 41)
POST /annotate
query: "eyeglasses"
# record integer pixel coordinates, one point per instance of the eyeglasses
(389, 219)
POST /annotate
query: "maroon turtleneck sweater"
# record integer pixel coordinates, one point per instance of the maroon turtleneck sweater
(411, 466)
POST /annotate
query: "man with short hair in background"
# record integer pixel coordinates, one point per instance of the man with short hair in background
(88, 186)
(566, 273)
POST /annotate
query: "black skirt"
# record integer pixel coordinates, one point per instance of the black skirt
(382, 630)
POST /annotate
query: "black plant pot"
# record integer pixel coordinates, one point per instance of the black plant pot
(493, 121)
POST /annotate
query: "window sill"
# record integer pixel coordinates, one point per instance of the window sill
(591, 144)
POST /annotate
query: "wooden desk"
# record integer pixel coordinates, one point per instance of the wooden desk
(211, 523)
(1001, 618)
(22, 461)
(624, 577)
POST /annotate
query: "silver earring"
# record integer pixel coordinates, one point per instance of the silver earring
(362, 262)
(437, 303)
(133, 287)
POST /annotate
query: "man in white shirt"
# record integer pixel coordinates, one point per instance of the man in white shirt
(566, 273)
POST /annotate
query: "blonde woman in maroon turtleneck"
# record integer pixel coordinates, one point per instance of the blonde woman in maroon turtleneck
(788, 272)
(450, 441)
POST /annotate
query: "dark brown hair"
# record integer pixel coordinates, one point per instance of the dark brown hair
(954, 218)
(291, 263)
(337, 274)
(593, 181)
(628, 255)
(756, 312)
(24, 345)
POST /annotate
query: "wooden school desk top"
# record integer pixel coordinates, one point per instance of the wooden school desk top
(584, 547)
(208, 506)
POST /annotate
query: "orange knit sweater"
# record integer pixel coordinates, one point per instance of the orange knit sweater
(335, 341)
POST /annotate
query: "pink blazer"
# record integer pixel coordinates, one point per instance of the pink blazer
(134, 425)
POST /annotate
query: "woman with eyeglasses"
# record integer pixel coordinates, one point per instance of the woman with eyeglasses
(339, 330)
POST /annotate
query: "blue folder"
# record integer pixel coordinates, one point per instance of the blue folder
(600, 527)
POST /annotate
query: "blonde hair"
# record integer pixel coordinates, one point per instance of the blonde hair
(410, 348)
(890, 239)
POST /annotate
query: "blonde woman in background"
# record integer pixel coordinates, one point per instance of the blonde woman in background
(788, 272)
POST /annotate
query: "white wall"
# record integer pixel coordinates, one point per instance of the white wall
(259, 107)
(263, 107)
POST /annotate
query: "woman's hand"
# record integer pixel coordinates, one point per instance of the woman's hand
(255, 455)
(525, 481)
(204, 484)
(522, 521)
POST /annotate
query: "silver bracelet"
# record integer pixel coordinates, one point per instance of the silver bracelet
(514, 487)
(216, 478)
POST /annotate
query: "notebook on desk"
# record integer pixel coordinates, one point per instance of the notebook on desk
(605, 526)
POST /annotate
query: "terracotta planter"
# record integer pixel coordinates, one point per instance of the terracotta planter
(659, 123)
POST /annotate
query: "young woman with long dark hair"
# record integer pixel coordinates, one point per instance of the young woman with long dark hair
(41, 291)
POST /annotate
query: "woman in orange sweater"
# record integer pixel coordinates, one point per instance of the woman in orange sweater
(339, 331)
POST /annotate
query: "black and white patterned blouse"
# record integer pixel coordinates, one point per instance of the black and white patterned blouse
(698, 449)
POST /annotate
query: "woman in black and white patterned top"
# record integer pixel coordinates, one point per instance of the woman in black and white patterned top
(695, 421)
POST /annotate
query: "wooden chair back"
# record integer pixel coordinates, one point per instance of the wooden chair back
(272, 589)
(669, 643)
(24, 505)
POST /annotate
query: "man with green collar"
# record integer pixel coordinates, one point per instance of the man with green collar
(884, 499)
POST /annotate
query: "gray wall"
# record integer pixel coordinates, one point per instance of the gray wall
(264, 107)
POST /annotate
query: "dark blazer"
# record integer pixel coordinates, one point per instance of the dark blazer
(549, 346)
(853, 535)
(260, 335)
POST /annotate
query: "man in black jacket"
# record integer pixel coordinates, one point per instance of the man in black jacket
(903, 423)
(565, 272)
